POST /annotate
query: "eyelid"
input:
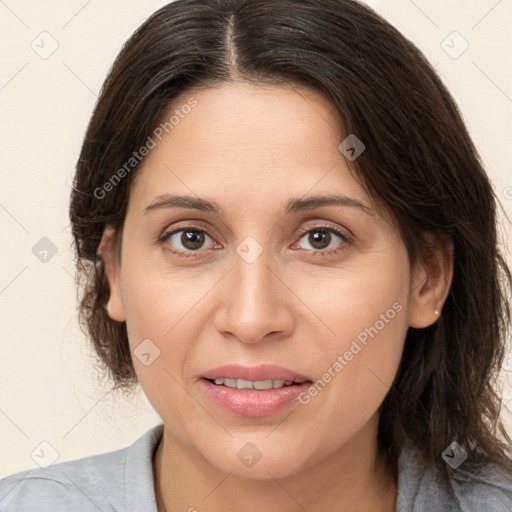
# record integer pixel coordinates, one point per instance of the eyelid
(180, 226)
(327, 225)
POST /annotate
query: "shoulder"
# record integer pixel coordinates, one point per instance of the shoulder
(107, 481)
(423, 489)
(90, 483)
(490, 489)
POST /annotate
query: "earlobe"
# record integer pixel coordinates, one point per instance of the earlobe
(114, 305)
(430, 286)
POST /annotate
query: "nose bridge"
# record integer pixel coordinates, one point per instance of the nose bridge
(255, 303)
(253, 281)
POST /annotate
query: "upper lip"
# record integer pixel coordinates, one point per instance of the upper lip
(254, 373)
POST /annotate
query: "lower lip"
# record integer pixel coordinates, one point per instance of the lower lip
(253, 403)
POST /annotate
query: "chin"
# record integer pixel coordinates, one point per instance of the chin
(259, 460)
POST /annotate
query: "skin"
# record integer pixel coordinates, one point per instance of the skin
(251, 148)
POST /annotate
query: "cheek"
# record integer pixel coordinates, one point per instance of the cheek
(164, 315)
(366, 312)
(353, 300)
(157, 299)
(153, 320)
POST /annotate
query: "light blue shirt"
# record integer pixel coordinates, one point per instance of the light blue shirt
(123, 481)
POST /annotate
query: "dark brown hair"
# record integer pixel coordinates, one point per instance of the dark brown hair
(419, 162)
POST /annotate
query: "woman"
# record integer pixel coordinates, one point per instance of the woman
(287, 238)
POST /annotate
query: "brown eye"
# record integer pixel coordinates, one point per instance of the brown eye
(321, 239)
(184, 240)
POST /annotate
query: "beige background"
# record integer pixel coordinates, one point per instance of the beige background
(48, 388)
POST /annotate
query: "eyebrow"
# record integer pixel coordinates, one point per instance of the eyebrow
(292, 205)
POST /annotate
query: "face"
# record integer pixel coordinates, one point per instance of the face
(252, 273)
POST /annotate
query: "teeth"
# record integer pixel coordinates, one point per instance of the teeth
(264, 384)
(249, 384)
(243, 384)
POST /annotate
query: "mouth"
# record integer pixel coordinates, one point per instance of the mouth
(259, 385)
(253, 391)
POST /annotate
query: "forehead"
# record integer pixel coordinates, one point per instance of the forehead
(248, 141)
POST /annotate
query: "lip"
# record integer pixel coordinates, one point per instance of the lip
(253, 403)
(250, 402)
(260, 372)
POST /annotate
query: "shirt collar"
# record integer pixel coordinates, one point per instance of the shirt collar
(139, 476)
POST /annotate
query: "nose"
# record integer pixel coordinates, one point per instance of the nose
(256, 303)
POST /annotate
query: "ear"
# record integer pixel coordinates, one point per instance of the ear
(431, 283)
(106, 251)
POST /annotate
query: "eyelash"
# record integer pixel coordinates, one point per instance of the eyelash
(346, 240)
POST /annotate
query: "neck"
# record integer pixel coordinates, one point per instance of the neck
(355, 478)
